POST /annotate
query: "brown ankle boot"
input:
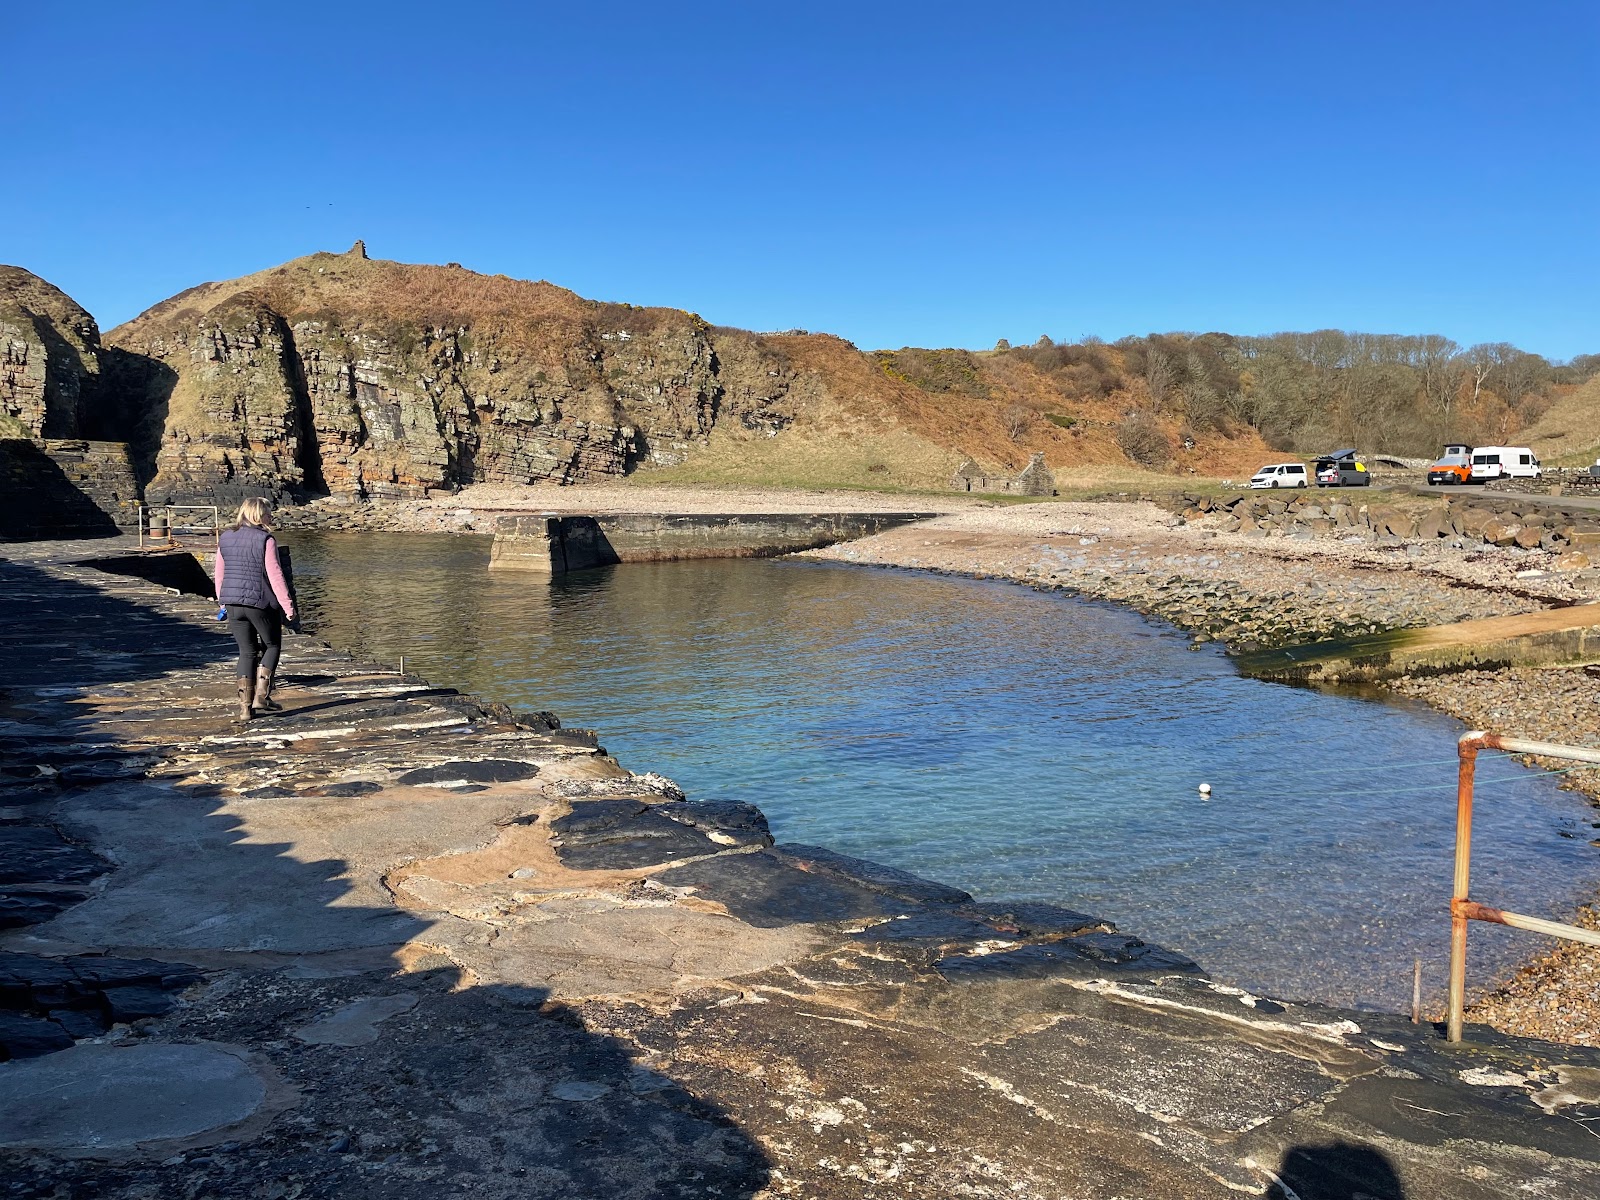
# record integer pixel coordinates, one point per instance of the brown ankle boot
(264, 701)
(246, 687)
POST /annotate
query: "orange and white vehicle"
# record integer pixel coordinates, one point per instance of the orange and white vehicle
(1453, 466)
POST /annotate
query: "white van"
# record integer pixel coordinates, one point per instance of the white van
(1504, 462)
(1280, 475)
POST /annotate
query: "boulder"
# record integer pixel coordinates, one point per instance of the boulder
(1573, 560)
(1392, 522)
(1529, 537)
(1435, 523)
(1473, 520)
(1500, 532)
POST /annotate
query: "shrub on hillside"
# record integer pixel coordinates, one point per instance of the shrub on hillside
(1140, 437)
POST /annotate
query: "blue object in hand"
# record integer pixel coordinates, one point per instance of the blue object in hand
(222, 613)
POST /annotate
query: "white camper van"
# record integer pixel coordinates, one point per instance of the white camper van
(1504, 462)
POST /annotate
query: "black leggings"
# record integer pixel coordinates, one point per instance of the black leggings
(259, 632)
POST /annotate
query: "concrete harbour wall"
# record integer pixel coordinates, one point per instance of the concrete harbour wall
(553, 545)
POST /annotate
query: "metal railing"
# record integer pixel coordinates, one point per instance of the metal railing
(1462, 909)
(160, 524)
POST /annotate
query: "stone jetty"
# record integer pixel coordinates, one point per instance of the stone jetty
(553, 544)
(399, 942)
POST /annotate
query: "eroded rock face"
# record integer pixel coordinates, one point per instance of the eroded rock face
(380, 379)
(49, 359)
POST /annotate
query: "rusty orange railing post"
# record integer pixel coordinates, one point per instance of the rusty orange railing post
(1462, 908)
(1467, 748)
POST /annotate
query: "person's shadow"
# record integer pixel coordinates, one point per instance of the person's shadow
(1336, 1171)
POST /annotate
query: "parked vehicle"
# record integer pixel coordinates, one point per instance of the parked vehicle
(1504, 462)
(1280, 475)
(1342, 469)
(1451, 468)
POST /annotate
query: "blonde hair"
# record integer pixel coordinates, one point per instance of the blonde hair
(254, 511)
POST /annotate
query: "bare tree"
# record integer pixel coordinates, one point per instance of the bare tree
(1484, 360)
(1017, 419)
(1438, 360)
(1159, 372)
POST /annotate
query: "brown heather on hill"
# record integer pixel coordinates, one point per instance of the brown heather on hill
(344, 374)
(349, 374)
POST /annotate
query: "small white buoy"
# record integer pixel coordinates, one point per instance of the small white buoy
(1205, 789)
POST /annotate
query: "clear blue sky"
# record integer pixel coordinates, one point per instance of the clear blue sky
(898, 173)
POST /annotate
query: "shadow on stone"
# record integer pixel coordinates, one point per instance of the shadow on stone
(427, 1083)
(37, 500)
(1336, 1171)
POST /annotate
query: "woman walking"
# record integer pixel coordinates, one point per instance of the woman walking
(251, 586)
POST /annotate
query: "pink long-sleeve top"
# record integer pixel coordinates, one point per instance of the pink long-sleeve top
(280, 585)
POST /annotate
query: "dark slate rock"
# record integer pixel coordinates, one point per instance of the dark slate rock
(360, 787)
(131, 1003)
(30, 970)
(38, 854)
(1424, 1113)
(617, 835)
(581, 739)
(80, 1022)
(769, 892)
(487, 770)
(745, 823)
(29, 906)
(1036, 920)
(629, 854)
(121, 972)
(598, 820)
(29, 1037)
(270, 792)
(940, 925)
(1087, 956)
(874, 877)
(101, 769)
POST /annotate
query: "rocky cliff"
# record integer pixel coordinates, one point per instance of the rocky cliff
(49, 359)
(345, 374)
(340, 374)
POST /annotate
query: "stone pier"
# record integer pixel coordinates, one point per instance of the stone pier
(548, 544)
(395, 942)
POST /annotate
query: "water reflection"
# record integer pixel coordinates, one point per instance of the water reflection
(1021, 745)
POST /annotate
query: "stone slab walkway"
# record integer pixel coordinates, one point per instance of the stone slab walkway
(418, 945)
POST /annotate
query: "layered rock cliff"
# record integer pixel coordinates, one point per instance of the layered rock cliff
(340, 373)
(49, 359)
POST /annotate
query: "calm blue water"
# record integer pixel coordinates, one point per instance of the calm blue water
(1019, 744)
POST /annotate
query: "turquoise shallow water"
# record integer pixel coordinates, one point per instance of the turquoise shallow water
(1019, 744)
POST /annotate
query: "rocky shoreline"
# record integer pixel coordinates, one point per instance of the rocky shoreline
(1251, 591)
(446, 948)
(1250, 572)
